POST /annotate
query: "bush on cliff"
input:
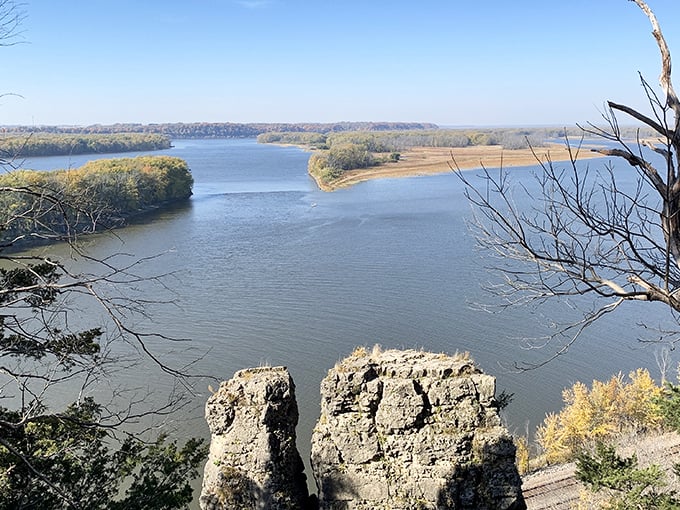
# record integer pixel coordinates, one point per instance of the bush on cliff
(628, 486)
(590, 424)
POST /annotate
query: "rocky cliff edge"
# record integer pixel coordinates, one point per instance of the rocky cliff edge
(398, 430)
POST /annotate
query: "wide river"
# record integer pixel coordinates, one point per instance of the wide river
(270, 270)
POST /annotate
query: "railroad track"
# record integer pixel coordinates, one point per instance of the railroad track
(556, 488)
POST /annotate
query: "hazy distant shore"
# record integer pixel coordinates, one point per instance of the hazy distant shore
(421, 161)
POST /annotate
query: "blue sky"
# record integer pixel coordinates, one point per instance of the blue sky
(452, 62)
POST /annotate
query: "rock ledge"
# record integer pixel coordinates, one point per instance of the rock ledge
(253, 460)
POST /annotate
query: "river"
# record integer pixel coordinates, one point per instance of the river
(270, 270)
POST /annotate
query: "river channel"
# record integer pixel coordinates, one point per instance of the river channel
(267, 269)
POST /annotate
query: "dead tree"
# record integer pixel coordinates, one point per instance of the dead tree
(587, 233)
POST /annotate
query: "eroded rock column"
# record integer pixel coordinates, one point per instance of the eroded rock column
(253, 461)
(410, 429)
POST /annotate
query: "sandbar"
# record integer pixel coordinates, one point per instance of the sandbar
(436, 160)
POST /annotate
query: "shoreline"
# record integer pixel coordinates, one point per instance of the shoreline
(422, 161)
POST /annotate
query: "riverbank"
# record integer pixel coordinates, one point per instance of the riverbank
(41, 144)
(421, 161)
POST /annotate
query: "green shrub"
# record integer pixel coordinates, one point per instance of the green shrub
(629, 487)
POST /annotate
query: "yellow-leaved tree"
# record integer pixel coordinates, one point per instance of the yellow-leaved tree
(598, 413)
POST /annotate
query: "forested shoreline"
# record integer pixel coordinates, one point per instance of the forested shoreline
(15, 145)
(222, 129)
(38, 206)
(396, 140)
(336, 153)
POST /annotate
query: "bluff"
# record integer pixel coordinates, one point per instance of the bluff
(253, 461)
(398, 430)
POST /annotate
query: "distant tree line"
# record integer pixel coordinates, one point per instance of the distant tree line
(222, 129)
(398, 140)
(349, 150)
(341, 151)
(106, 191)
(310, 139)
(394, 141)
(20, 145)
(252, 130)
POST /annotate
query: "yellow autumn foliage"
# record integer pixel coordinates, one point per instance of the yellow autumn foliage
(606, 409)
(522, 454)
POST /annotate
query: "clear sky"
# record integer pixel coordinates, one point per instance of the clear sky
(452, 62)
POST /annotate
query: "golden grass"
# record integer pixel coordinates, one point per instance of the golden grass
(435, 160)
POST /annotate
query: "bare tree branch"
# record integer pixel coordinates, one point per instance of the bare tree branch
(665, 76)
(11, 19)
(586, 237)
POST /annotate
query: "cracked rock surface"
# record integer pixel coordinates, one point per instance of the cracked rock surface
(411, 429)
(253, 461)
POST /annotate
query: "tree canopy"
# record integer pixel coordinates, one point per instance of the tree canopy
(100, 194)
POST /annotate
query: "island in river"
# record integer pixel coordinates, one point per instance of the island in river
(434, 160)
(15, 144)
(341, 159)
(57, 205)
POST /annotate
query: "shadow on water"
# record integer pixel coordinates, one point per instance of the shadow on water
(113, 227)
(146, 217)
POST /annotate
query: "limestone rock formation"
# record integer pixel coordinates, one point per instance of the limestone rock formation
(410, 429)
(253, 461)
(399, 430)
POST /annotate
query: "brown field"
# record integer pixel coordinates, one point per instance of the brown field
(434, 160)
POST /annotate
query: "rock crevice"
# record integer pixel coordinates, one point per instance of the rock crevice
(253, 461)
(397, 430)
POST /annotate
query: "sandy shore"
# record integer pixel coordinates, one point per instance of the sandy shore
(429, 161)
